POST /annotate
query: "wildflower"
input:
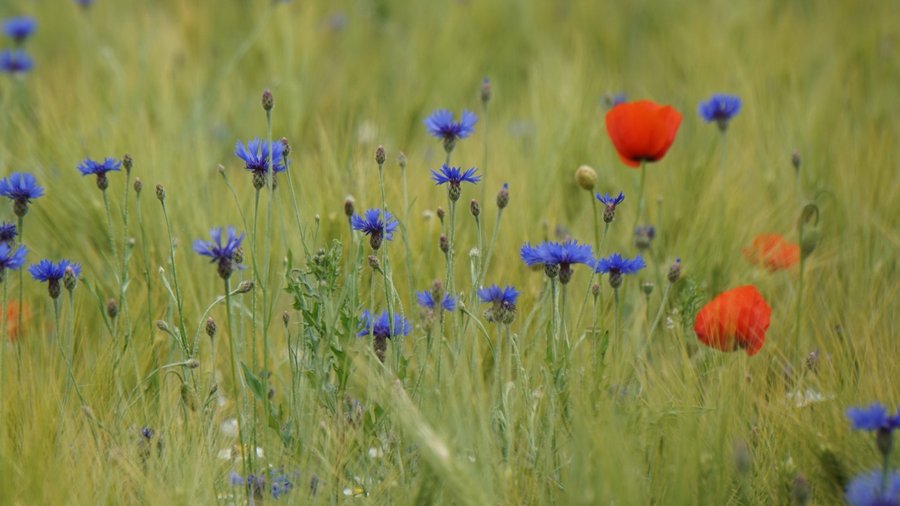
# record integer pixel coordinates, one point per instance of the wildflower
(586, 177)
(720, 108)
(380, 155)
(99, 169)
(221, 254)
(616, 266)
(11, 259)
(19, 28)
(441, 125)
(381, 329)
(256, 157)
(280, 483)
(611, 203)
(642, 131)
(455, 177)
(643, 237)
(349, 206)
(557, 257)
(773, 252)
(15, 62)
(503, 196)
(45, 270)
(873, 418)
(426, 299)
(503, 309)
(613, 99)
(268, 100)
(736, 319)
(8, 233)
(872, 489)
(374, 227)
(21, 188)
(674, 271)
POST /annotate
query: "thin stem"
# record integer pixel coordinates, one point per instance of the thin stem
(659, 313)
(554, 319)
(385, 271)
(123, 284)
(410, 273)
(722, 154)
(480, 257)
(490, 250)
(799, 302)
(247, 462)
(484, 163)
(450, 234)
(179, 301)
(616, 315)
(296, 206)
(147, 277)
(596, 222)
(19, 328)
(640, 213)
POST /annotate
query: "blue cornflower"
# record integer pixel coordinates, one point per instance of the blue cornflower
(643, 237)
(441, 125)
(11, 259)
(21, 188)
(455, 177)
(874, 417)
(720, 108)
(611, 203)
(869, 489)
(426, 300)
(612, 100)
(558, 258)
(617, 266)
(15, 62)
(8, 233)
(46, 270)
(256, 484)
(99, 169)
(19, 28)
(225, 255)
(381, 329)
(503, 300)
(256, 157)
(372, 226)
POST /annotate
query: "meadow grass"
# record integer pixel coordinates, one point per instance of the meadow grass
(652, 421)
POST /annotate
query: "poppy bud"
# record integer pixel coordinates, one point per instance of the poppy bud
(586, 177)
(647, 287)
(268, 101)
(444, 244)
(380, 155)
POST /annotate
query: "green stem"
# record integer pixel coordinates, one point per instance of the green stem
(247, 462)
(659, 313)
(179, 300)
(146, 257)
(490, 250)
(300, 229)
(554, 320)
(596, 223)
(450, 234)
(722, 176)
(410, 273)
(123, 284)
(616, 315)
(385, 271)
(640, 213)
(19, 329)
(799, 302)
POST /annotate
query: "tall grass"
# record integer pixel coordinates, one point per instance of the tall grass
(175, 84)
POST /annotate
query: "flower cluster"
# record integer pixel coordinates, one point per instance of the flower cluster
(557, 258)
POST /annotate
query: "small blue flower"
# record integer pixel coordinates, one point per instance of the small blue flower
(89, 167)
(874, 417)
(281, 483)
(426, 300)
(720, 108)
(610, 201)
(866, 490)
(454, 176)
(441, 125)
(15, 62)
(380, 327)
(617, 266)
(222, 254)
(20, 187)
(612, 100)
(12, 259)
(557, 254)
(372, 225)
(503, 300)
(19, 28)
(256, 156)
(8, 233)
(46, 270)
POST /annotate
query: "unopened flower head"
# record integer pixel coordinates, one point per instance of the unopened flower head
(441, 125)
(720, 108)
(610, 203)
(221, 254)
(15, 62)
(46, 270)
(371, 224)
(674, 271)
(557, 258)
(503, 196)
(485, 91)
(503, 303)
(586, 177)
(21, 188)
(349, 206)
(92, 167)
(617, 266)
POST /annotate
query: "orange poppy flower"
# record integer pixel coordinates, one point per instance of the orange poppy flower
(736, 319)
(642, 131)
(772, 252)
(12, 319)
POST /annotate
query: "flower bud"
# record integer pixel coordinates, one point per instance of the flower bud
(440, 214)
(795, 160)
(444, 244)
(268, 101)
(138, 185)
(349, 206)
(285, 318)
(127, 162)
(475, 208)
(374, 263)
(674, 271)
(401, 160)
(112, 308)
(503, 196)
(287, 147)
(210, 328)
(595, 290)
(162, 325)
(380, 155)
(485, 91)
(246, 286)
(69, 278)
(160, 193)
(647, 287)
(586, 177)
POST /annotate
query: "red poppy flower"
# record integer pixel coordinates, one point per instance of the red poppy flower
(642, 131)
(736, 319)
(772, 252)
